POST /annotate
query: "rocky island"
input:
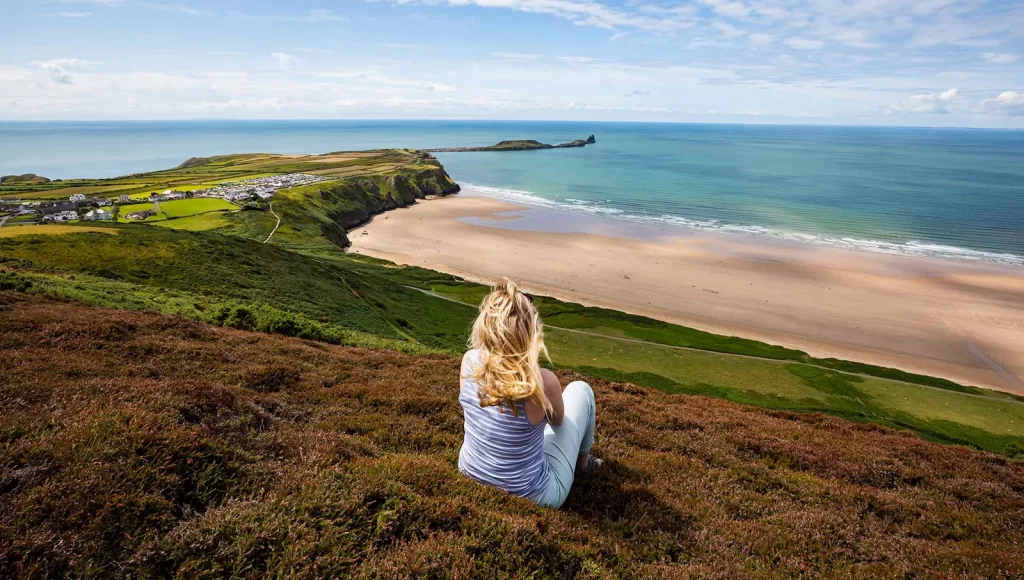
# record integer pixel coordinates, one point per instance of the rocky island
(518, 145)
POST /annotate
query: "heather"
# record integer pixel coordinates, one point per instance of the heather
(138, 444)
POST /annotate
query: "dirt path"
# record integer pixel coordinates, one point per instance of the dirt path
(275, 227)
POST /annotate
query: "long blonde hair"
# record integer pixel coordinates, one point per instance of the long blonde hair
(510, 337)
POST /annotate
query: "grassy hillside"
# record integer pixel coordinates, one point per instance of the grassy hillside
(135, 444)
(214, 267)
(202, 172)
(325, 211)
(323, 294)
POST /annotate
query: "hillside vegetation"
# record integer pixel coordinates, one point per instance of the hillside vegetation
(307, 287)
(202, 172)
(141, 445)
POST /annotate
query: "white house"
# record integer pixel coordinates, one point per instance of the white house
(98, 215)
(77, 197)
(64, 216)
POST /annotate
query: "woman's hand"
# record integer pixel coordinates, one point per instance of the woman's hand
(553, 391)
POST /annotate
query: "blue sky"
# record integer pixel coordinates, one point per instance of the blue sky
(880, 62)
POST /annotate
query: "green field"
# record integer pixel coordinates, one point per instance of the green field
(212, 265)
(177, 208)
(198, 223)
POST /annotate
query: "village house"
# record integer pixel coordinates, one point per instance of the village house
(140, 215)
(172, 194)
(77, 197)
(98, 215)
(62, 207)
(124, 199)
(62, 216)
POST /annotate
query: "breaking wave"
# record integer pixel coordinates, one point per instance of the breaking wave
(908, 248)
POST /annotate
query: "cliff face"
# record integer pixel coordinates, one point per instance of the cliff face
(339, 205)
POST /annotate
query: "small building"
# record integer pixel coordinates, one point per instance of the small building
(103, 201)
(140, 215)
(77, 197)
(98, 215)
(59, 208)
(124, 199)
(63, 216)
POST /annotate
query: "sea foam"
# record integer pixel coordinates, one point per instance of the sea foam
(905, 248)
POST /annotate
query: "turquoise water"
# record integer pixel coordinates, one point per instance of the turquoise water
(932, 192)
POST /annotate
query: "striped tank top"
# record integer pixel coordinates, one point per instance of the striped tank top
(498, 448)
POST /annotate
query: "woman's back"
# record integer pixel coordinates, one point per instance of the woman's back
(499, 448)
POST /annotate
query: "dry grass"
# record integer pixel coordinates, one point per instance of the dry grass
(50, 230)
(142, 445)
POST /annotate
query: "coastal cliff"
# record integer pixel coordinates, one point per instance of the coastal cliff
(518, 145)
(336, 206)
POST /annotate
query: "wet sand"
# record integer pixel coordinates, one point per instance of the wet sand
(958, 320)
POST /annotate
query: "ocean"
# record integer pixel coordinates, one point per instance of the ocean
(948, 193)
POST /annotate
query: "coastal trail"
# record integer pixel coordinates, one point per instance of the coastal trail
(274, 231)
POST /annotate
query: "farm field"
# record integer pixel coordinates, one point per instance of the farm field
(51, 230)
(198, 223)
(177, 208)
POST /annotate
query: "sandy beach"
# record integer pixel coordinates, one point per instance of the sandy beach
(959, 320)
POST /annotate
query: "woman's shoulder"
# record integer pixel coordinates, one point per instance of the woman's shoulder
(472, 357)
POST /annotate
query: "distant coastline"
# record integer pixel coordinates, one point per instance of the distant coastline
(902, 191)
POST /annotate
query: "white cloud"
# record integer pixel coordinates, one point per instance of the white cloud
(58, 68)
(181, 8)
(1007, 103)
(588, 12)
(284, 59)
(730, 8)
(401, 45)
(803, 43)
(69, 14)
(575, 59)
(727, 30)
(516, 56)
(761, 39)
(1000, 58)
(928, 104)
(315, 15)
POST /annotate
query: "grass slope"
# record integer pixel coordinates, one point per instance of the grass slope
(344, 299)
(198, 173)
(139, 445)
(232, 281)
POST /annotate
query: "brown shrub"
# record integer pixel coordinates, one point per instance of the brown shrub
(139, 445)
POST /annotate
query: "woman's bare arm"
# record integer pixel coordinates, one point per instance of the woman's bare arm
(553, 391)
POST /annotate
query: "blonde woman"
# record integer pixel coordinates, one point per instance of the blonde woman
(524, 434)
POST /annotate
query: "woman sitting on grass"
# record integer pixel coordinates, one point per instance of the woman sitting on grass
(524, 434)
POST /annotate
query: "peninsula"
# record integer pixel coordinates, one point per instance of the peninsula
(517, 145)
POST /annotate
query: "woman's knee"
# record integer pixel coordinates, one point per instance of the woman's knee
(581, 388)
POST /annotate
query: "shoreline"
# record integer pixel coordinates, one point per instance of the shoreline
(757, 234)
(957, 320)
